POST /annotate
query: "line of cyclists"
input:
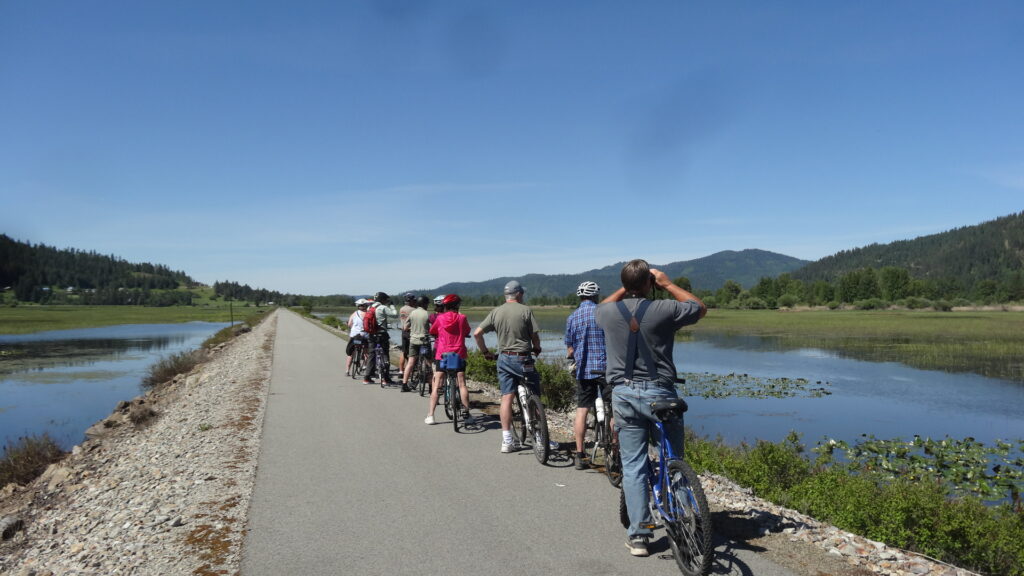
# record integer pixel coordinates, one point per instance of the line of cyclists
(437, 334)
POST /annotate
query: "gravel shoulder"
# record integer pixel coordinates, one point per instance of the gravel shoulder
(171, 496)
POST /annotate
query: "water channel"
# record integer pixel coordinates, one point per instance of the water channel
(63, 381)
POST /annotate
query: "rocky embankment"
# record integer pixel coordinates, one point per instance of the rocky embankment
(163, 487)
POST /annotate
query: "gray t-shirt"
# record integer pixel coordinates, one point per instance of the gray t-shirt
(515, 326)
(658, 328)
(419, 324)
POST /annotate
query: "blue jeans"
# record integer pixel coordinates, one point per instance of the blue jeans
(512, 369)
(631, 404)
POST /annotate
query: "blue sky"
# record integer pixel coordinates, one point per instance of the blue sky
(247, 141)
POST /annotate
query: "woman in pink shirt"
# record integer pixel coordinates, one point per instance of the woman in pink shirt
(451, 330)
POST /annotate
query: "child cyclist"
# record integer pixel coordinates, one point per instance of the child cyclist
(451, 329)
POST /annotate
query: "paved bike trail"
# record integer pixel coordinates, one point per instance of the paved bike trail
(351, 481)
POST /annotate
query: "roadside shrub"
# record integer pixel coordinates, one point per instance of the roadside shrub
(557, 385)
(942, 305)
(871, 304)
(788, 301)
(755, 303)
(170, 366)
(917, 303)
(962, 302)
(834, 304)
(332, 321)
(28, 458)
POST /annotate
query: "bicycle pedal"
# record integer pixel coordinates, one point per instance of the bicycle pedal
(651, 526)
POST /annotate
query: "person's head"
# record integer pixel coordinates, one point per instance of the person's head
(362, 303)
(422, 302)
(382, 297)
(514, 291)
(439, 303)
(588, 291)
(410, 298)
(452, 301)
(636, 277)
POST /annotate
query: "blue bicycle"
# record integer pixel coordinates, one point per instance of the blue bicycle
(677, 498)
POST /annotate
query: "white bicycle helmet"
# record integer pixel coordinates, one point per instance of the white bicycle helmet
(439, 299)
(588, 288)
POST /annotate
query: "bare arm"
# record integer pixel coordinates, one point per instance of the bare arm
(478, 335)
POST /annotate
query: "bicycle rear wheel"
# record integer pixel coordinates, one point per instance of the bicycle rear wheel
(448, 400)
(453, 391)
(356, 367)
(594, 430)
(539, 425)
(689, 524)
(423, 376)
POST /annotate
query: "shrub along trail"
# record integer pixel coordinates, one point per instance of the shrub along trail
(351, 481)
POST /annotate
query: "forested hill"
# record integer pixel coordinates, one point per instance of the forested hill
(31, 268)
(992, 251)
(708, 273)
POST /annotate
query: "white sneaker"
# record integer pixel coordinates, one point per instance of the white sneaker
(507, 447)
(428, 420)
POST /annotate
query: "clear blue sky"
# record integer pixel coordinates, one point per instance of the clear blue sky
(245, 141)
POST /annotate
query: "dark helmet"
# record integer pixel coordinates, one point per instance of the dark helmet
(423, 301)
(410, 297)
(381, 297)
(452, 300)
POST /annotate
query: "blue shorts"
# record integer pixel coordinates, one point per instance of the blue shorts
(512, 369)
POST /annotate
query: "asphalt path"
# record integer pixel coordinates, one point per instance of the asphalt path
(351, 481)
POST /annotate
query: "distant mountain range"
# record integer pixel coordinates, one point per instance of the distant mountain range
(745, 267)
(992, 251)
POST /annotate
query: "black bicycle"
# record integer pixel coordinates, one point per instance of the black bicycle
(677, 498)
(422, 372)
(359, 353)
(450, 363)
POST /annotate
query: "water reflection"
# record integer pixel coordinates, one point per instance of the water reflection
(62, 382)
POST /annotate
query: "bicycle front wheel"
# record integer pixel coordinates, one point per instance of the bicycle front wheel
(539, 423)
(688, 520)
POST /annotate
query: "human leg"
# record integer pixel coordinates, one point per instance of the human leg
(634, 430)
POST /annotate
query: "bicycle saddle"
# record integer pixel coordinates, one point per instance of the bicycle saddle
(664, 408)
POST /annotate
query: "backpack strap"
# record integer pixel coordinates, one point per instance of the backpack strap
(636, 342)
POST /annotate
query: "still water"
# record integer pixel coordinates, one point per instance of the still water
(884, 399)
(61, 382)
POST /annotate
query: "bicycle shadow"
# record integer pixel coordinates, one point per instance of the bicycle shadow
(732, 533)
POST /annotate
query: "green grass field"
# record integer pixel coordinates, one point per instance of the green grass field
(25, 319)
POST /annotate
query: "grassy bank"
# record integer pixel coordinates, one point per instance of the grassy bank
(892, 503)
(983, 342)
(29, 318)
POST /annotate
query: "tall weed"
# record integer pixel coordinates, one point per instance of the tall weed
(27, 458)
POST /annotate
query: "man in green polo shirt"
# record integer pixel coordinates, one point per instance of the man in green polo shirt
(518, 341)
